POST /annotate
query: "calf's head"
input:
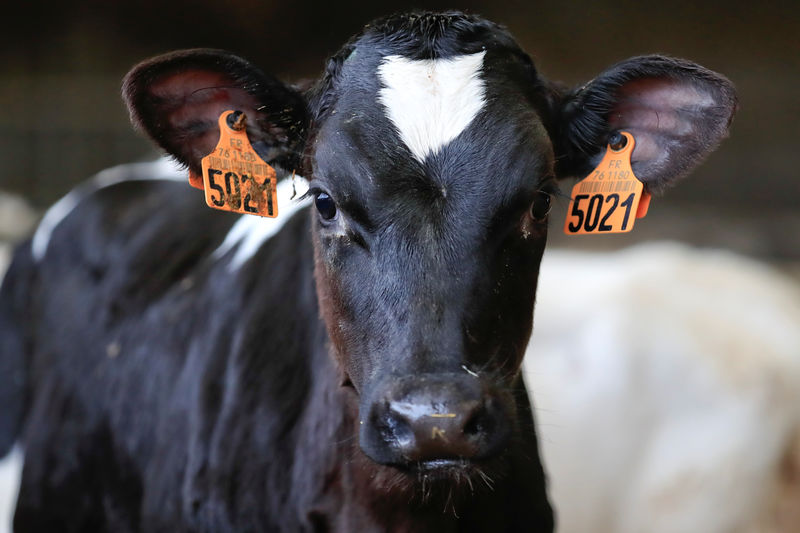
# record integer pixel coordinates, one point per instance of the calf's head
(432, 147)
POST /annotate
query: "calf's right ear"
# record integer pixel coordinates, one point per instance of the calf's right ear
(177, 98)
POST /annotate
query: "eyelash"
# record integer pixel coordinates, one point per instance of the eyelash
(310, 193)
(550, 186)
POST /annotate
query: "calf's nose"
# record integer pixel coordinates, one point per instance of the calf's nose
(434, 418)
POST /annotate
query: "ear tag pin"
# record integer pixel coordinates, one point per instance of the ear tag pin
(610, 198)
(235, 178)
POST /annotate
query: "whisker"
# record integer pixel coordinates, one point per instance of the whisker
(486, 479)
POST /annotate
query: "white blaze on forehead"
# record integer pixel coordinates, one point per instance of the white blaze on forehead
(431, 101)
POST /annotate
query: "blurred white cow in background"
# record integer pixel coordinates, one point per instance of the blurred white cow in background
(666, 383)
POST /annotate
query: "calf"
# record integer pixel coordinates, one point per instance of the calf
(178, 369)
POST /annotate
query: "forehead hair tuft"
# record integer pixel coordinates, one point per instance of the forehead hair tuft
(416, 36)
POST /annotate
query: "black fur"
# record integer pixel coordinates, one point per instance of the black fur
(15, 338)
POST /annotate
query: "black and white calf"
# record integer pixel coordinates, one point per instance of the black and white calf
(172, 368)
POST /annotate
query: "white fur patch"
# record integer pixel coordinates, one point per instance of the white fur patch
(250, 232)
(431, 101)
(161, 169)
(10, 473)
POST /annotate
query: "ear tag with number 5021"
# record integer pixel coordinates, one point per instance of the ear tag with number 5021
(611, 198)
(235, 178)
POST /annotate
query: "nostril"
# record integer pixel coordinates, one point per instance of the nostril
(479, 423)
(474, 426)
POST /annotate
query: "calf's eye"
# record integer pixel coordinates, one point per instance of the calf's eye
(325, 205)
(541, 206)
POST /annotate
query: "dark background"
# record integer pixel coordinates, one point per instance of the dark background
(62, 118)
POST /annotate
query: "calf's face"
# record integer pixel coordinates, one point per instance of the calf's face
(432, 147)
(433, 180)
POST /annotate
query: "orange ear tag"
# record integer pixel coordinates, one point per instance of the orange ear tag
(611, 198)
(235, 178)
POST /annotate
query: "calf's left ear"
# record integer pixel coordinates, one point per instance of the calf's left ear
(676, 110)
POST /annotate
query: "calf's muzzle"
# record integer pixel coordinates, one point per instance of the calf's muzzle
(433, 419)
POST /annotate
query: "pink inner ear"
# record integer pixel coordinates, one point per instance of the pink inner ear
(198, 97)
(193, 96)
(658, 112)
(188, 81)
